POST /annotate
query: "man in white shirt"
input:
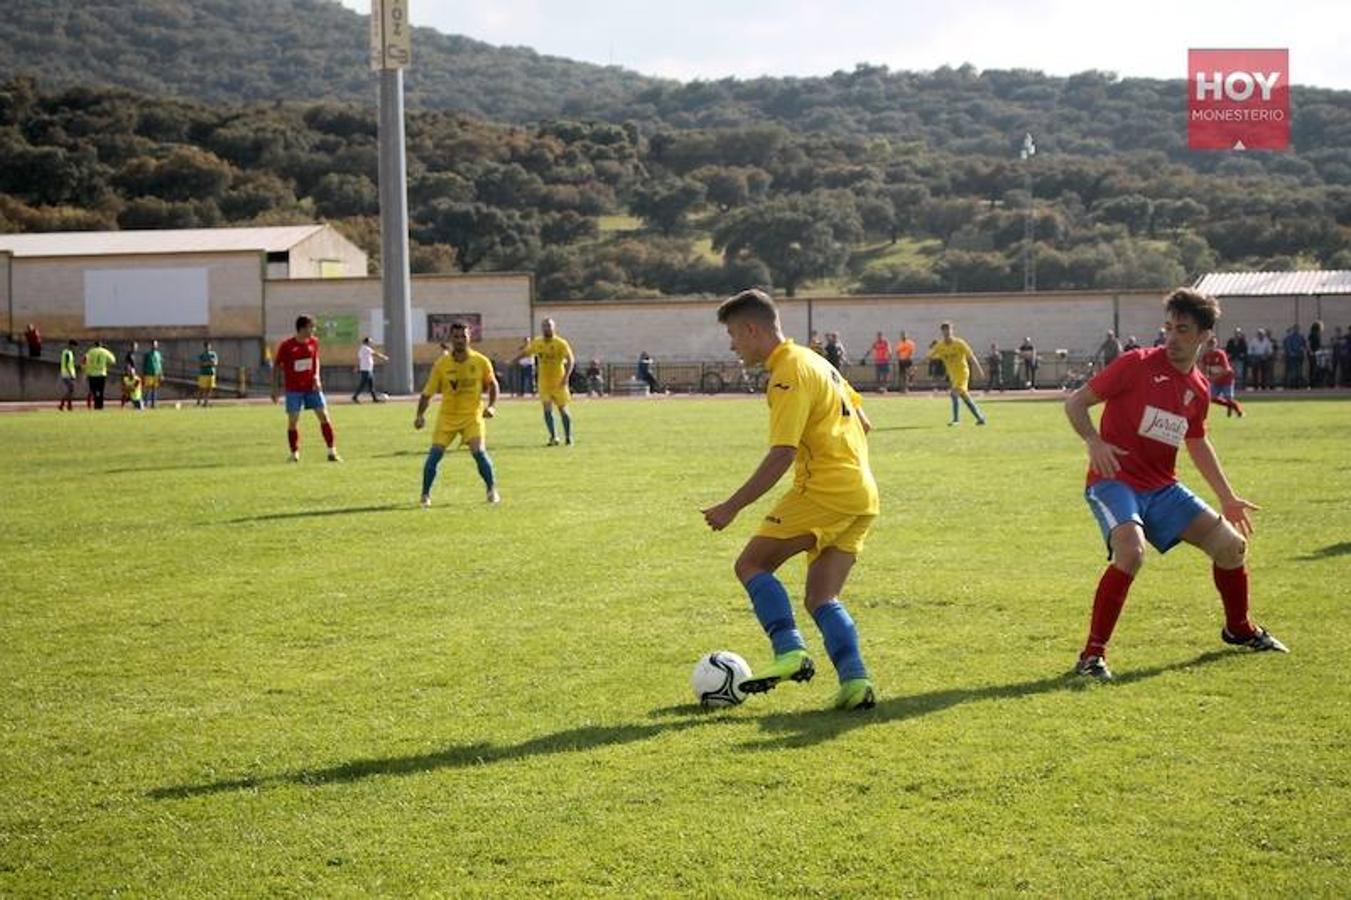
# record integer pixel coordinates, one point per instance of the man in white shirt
(366, 357)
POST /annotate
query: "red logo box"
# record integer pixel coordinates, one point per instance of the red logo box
(1238, 99)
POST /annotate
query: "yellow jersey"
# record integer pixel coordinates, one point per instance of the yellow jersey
(553, 353)
(461, 384)
(954, 355)
(811, 408)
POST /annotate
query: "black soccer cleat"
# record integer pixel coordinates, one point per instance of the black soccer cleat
(1093, 667)
(1259, 640)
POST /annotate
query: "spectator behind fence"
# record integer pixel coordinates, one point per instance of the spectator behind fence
(994, 362)
(595, 380)
(1315, 344)
(1236, 348)
(33, 338)
(526, 367)
(1261, 359)
(1027, 357)
(882, 361)
(1132, 343)
(1109, 349)
(905, 361)
(1295, 348)
(1160, 339)
(834, 351)
(645, 374)
(1341, 357)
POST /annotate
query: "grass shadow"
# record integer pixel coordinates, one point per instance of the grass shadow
(312, 513)
(803, 730)
(1327, 552)
(590, 737)
(807, 729)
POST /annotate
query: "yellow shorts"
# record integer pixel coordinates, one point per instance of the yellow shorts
(152, 382)
(206, 382)
(958, 381)
(795, 515)
(557, 394)
(448, 429)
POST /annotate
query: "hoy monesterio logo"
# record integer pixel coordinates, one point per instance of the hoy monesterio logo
(1238, 99)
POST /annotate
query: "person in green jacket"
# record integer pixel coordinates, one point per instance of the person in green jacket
(68, 375)
(152, 374)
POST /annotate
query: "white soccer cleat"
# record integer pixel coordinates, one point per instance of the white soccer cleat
(294, 457)
(493, 496)
(426, 501)
(333, 456)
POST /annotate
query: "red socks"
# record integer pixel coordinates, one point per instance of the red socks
(327, 429)
(1233, 587)
(1107, 604)
(293, 438)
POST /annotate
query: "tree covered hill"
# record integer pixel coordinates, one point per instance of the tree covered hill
(167, 113)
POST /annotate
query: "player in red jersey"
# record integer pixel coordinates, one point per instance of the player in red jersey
(1220, 373)
(297, 362)
(1156, 402)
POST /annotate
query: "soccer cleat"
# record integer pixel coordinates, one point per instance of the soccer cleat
(1093, 667)
(856, 693)
(953, 422)
(794, 665)
(1259, 640)
(294, 457)
(333, 456)
(568, 441)
(426, 501)
(493, 496)
(553, 442)
(980, 421)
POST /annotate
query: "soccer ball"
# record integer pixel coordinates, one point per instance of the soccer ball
(717, 679)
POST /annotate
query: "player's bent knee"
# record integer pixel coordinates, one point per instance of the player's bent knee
(1225, 546)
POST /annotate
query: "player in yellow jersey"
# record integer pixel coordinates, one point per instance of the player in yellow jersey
(814, 425)
(555, 367)
(460, 377)
(955, 354)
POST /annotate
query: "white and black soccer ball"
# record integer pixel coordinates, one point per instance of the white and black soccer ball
(717, 679)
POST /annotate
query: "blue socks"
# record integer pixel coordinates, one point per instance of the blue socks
(429, 468)
(549, 420)
(485, 468)
(841, 637)
(775, 612)
(567, 424)
(971, 405)
(955, 408)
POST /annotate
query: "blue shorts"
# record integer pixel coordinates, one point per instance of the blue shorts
(1163, 514)
(298, 400)
(1222, 390)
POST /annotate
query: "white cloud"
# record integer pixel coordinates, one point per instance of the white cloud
(706, 39)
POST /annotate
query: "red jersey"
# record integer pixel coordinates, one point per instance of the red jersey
(1217, 368)
(298, 361)
(1151, 409)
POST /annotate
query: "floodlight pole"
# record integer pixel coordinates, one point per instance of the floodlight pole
(1029, 265)
(390, 46)
(394, 275)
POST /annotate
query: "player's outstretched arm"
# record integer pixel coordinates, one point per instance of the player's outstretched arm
(491, 409)
(1102, 456)
(1207, 462)
(777, 461)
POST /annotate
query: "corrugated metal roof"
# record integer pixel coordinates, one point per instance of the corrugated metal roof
(184, 240)
(1269, 284)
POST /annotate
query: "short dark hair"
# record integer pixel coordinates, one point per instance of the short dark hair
(751, 303)
(302, 321)
(1202, 309)
(459, 325)
(945, 324)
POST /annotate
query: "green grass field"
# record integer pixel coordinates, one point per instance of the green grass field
(225, 675)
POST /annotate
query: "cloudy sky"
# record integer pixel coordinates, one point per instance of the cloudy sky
(745, 38)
